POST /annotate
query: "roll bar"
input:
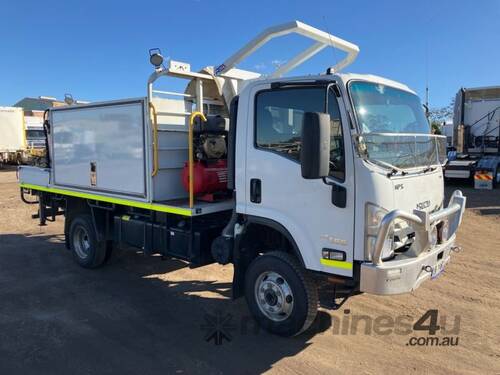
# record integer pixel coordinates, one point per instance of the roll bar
(322, 39)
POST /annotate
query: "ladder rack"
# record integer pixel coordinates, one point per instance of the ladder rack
(322, 40)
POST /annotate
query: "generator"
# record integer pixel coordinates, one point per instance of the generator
(210, 159)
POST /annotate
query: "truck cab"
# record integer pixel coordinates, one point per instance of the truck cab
(381, 158)
(35, 137)
(332, 179)
(376, 214)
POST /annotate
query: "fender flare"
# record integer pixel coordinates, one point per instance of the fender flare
(251, 219)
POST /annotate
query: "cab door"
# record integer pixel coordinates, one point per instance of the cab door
(275, 188)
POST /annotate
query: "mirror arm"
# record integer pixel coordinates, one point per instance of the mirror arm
(328, 182)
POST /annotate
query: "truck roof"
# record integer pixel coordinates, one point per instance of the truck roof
(482, 93)
(343, 77)
(346, 77)
(482, 88)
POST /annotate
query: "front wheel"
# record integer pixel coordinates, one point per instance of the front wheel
(281, 296)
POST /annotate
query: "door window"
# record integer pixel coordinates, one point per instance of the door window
(278, 123)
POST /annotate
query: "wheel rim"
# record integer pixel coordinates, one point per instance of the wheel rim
(274, 296)
(81, 242)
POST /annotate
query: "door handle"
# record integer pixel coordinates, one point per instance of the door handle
(255, 190)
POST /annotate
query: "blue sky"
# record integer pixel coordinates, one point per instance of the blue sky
(98, 50)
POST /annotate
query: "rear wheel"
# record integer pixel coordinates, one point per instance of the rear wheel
(280, 294)
(87, 250)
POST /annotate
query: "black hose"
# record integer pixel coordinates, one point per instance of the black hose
(486, 116)
(228, 230)
(491, 130)
(25, 200)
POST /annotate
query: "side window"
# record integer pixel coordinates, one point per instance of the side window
(279, 115)
(337, 155)
(278, 123)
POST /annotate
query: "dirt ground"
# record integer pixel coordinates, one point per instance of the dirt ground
(144, 315)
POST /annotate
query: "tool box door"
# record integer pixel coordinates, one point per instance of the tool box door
(100, 147)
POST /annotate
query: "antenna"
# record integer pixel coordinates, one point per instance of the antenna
(427, 112)
(335, 59)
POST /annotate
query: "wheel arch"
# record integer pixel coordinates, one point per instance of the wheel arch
(279, 228)
(100, 217)
(242, 257)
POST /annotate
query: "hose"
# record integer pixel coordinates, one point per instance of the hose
(486, 116)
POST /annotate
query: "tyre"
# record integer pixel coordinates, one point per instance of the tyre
(87, 250)
(281, 296)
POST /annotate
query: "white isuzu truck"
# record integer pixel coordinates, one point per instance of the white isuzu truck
(330, 179)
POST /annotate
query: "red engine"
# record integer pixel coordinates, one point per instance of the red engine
(210, 160)
(208, 177)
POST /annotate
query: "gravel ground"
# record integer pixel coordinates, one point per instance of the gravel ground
(142, 315)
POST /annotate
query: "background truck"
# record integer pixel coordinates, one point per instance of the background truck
(330, 179)
(447, 131)
(12, 135)
(35, 139)
(22, 138)
(476, 137)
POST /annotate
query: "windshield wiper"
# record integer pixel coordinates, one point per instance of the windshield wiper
(428, 169)
(393, 168)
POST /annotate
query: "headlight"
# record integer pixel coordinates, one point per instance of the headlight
(373, 218)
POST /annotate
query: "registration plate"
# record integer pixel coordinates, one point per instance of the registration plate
(438, 269)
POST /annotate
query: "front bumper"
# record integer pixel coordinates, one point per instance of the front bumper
(405, 273)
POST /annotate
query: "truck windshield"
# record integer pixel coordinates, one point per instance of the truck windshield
(384, 109)
(395, 131)
(35, 134)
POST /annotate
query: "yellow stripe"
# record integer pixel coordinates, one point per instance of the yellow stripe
(124, 202)
(337, 264)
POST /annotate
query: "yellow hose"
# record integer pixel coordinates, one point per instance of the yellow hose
(155, 140)
(191, 156)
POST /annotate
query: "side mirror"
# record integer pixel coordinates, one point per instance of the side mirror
(315, 151)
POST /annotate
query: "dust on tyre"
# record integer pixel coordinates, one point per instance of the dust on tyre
(280, 294)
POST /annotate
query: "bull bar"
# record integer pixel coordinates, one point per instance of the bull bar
(405, 273)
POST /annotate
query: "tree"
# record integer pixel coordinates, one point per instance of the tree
(436, 127)
(441, 114)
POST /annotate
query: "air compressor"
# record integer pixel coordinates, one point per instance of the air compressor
(209, 159)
